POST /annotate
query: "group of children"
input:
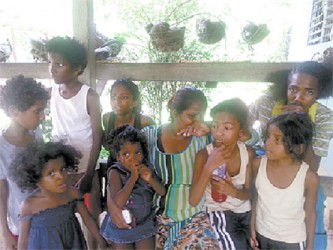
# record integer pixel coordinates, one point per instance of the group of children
(270, 200)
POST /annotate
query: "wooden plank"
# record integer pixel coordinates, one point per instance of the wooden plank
(217, 71)
(84, 31)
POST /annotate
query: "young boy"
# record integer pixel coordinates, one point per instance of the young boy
(76, 115)
(23, 100)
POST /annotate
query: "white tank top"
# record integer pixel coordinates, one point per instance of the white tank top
(280, 212)
(233, 204)
(71, 122)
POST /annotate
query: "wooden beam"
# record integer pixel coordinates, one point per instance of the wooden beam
(84, 31)
(215, 71)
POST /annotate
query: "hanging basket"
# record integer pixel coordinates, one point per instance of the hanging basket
(164, 38)
(253, 33)
(210, 32)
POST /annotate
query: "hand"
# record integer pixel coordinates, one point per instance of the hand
(134, 168)
(145, 173)
(222, 185)
(10, 241)
(117, 216)
(253, 241)
(217, 157)
(197, 129)
(85, 183)
(292, 108)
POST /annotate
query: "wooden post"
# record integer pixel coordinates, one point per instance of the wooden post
(84, 31)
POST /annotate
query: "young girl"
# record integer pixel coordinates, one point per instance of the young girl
(126, 106)
(230, 218)
(76, 116)
(132, 183)
(23, 100)
(47, 219)
(284, 211)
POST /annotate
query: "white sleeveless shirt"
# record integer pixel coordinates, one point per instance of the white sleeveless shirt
(280, 212)
(233, 204)
(71, 122)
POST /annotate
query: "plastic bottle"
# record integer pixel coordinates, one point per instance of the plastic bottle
(221, 172)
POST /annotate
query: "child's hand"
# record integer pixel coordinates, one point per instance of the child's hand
(134, 171)
(216, 158)
(222, 185)
(145, 173)
(253, 241)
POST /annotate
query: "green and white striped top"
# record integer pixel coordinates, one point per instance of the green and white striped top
(175, 172)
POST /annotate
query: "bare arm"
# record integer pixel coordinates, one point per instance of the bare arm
(311, 192)
(90, 223)
(312, 159)
(10, 241)
(254, 243)
(95, 118)
(24, 226)
(120, 194)
(200, 177)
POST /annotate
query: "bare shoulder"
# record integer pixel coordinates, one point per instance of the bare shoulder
(27, 205)
(202, 154)
(146, 121)
(311, 178)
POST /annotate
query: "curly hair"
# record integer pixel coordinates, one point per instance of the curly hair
(234, 106)
(21, 93)
(70, 49)
(281, 79)
(26, 169)
(132, 88)
(123, 134)
(297, 132)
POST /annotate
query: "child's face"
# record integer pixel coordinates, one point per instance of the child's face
(60, 69)
(32, 117)
(130, 155)
(189, 116)
(225, 129)
(274, 144)
(302, 90)
(54, 176)
(122, 100)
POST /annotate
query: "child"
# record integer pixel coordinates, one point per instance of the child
(76, 116)
(48, 218)
(284, 211)
(126, 106)
(23, 100)
(132, 184)
(230, 218)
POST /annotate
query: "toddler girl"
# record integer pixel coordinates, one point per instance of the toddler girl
(230, 218)
(47, 219)
(132, 184)
(284, 210)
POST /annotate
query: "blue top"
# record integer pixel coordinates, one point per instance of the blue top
(140, 206)
(56, 228)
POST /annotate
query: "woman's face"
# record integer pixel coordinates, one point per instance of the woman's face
(302, 90)
(189, 116)
(122, 100)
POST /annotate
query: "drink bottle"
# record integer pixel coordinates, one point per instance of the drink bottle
(221, 172)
